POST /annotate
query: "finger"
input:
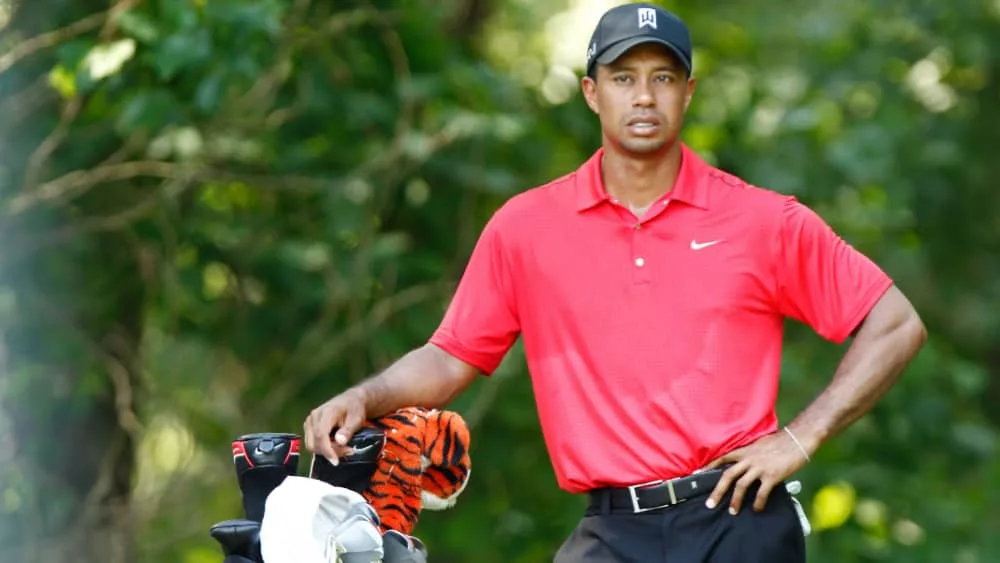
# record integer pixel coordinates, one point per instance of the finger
(351, 424)
(322, 424)
(725, 481)
(311, 432)
(740, 490)
(341, 451)
(307, 433)
(712, 464)
(720, 461)
(766, 486)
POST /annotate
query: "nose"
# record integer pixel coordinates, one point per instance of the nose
(643, 94)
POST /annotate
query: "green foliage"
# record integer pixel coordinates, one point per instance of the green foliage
(221, 212)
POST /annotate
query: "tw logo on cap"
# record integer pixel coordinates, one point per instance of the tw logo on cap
(647, 17)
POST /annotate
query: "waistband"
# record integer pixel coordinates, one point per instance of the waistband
(654, 495)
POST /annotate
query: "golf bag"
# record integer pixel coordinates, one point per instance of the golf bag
(263, 462)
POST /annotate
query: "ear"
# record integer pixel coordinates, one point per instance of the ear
(589, 88)
(692, 82)
(450, 465)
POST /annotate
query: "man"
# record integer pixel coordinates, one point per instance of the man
(651, 290)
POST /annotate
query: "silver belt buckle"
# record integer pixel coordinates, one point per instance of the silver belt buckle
(635, 497)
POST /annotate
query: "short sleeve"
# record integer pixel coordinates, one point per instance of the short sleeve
(822, 280)
(481, 322)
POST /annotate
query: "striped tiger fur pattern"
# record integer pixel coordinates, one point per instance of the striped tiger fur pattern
(425, 464)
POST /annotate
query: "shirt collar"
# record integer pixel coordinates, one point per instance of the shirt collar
(689, 187)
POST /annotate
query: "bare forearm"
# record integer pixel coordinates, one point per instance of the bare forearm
(880, 352)
(425, 377)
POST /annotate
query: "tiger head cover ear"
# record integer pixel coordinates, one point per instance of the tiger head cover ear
(446, 461)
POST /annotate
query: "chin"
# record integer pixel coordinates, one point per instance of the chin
(644, 146)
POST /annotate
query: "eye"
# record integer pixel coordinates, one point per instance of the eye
(621, 78)
(664, 78)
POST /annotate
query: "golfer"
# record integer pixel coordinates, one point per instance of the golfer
(650, 290)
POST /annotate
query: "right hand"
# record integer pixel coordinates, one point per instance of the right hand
(346, 413)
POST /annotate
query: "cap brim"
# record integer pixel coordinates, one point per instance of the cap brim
(612, 53)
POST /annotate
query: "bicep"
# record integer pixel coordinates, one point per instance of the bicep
(891, 311)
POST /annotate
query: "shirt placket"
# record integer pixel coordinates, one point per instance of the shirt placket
(640, 253)
(641, 241)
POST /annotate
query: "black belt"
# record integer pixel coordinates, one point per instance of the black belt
(655, 494)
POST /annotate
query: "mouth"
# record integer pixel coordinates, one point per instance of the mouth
(643, 125)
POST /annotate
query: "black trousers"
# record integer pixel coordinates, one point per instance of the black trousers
(690, 533)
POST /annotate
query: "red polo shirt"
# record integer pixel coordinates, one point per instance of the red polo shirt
(653, 345)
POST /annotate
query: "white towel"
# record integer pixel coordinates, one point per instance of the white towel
(310, 521)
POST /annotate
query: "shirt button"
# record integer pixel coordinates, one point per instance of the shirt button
(638, 226)
(640, 262)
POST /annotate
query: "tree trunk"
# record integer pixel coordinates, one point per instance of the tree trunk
(70, 328)
(68, 396)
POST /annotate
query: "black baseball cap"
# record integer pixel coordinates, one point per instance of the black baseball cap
(628, 25)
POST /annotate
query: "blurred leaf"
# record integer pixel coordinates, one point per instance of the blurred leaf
(104, 60)
(832, 506)
(63, 81)
(148, 111)
(181, 51)
(138, 25)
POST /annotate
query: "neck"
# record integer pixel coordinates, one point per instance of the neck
(637, 182)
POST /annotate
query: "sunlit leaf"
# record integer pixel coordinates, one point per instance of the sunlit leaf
(63, 81)
(832, 506)
(105, 60)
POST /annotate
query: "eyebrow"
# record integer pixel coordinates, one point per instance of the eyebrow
(615, 67)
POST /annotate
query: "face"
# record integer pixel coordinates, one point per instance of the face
(641, 99)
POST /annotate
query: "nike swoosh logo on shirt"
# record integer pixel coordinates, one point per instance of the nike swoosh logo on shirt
(695, 245)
